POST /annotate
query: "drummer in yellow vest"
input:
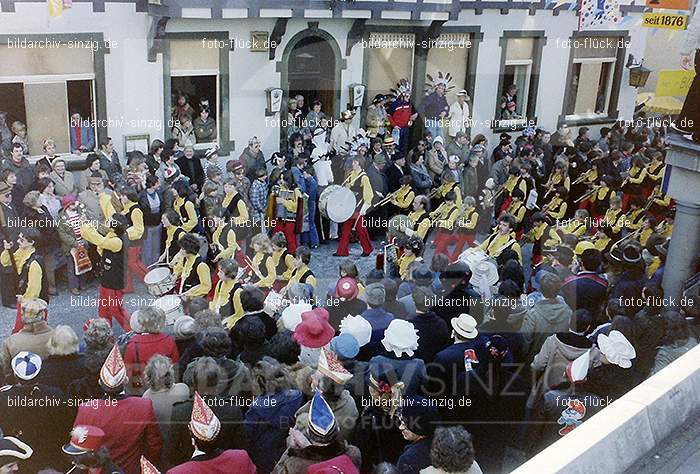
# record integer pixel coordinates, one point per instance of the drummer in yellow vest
(262, 267)
(404, 195)
(191, 269)
(444, 217)
(223, 239)
(502, 239)
(411, 253)
(359, 184)
(184, 206)
(466, 226)
(419, 217)
(227, 294)
(282, 259)
(302, 273)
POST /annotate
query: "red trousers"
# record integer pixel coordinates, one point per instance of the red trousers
(287, 228)
(344, 243)
(135, 266)
(111, 304)
(463, 238)
(444, 239)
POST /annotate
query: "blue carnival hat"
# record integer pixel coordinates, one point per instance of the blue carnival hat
(26, 365)
(322, 425)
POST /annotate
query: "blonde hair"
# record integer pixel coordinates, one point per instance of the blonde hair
(64, 341)
(31, 199)
(263, 241)
(47, 142)
(17, 126)
(159, 372)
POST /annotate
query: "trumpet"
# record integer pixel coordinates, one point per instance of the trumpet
(632, 235)
(386, 199)
(584, 176)
(587, 194)
(432, 193)
(497, 193)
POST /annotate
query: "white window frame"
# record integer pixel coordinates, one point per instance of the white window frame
(203, 72)
(608, 87)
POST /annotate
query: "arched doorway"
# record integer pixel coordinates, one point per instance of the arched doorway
(311, 72)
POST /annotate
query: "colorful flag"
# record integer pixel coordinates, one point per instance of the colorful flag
(599, 14)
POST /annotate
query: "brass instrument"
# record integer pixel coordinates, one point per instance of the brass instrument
(432, 193)
(386, 199)
(498, 192)
(588, 194)
(584, 176)
(631, 235)
(650, 202)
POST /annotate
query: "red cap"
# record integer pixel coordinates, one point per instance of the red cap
(67, 200)
(314, 331)
(346, 288)
(84, 438)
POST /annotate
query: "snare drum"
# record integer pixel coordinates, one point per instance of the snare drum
(274, 303)
(172, 305)
(472, 256)
(159, 281)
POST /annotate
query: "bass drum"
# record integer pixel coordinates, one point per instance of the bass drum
(337, 203)
(393, 229)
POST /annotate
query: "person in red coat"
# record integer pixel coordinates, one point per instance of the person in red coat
(149, 342)
(207, 459)
(129, 423)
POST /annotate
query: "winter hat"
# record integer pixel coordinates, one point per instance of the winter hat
(453, 159)
(67, 200)
(347, 288)
(378, 98)
(113, 372)
(438, 139)
(314, 330)
(401, 336)
(463, 93)
(465, 326)
(204, 424)
(389, 140)
(84, 439)
(291, 315)
(375, 294)
(322, 428)
(12, 449)
(422, 276)
(330, 366)
(184, 327)
(617, 349)
(358, 327)
(26, 365)
(345, 345)
(33, 309)
(211, 151)
(419, 415)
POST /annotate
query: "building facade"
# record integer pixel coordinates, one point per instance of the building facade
(121, 63)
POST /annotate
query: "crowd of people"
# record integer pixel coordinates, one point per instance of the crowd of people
(516, 293)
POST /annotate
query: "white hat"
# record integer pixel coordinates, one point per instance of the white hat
(490, 183)
(438, 139)
(453, 159)
(465, 326)
(291, 315)
(484, 272)
(617, 349)
(462, 93)
(577, 370)
(358, 327)
(401, 336)
(26, 365)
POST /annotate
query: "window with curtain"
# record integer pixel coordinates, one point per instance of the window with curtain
(590, 84)
(516, 76)
(389, 58)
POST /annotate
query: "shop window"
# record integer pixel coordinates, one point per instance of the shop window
(389, 58)
(515, 104)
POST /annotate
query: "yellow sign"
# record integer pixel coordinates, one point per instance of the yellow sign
(669, 4)
(665, 20)
(674, 82)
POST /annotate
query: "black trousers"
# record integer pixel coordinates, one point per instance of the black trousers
(689, 119)
(8, 289)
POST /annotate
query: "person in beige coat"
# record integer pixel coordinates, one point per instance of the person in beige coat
(437, 158)
(33, 337)
(63, 181)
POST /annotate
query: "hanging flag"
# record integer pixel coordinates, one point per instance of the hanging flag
(55, 7)
(599, 14)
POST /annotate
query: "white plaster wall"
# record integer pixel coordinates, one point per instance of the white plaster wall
(134, 87)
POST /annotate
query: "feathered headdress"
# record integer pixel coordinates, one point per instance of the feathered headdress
(442, 79)
(402, 87)
(359, 140)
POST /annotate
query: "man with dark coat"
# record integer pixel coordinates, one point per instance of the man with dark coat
(130, 425)
(433, 333)
(205, 431)
(191, 166)
(395, 172)
(41, 419)
(377, 317)
(20, 166)
(418, 422)
(205, 381)
(587, 289)
(253, 158)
